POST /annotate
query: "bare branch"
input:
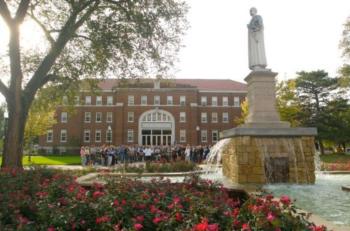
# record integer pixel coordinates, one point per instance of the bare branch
(4, 89)
(5, 12)
(82, 36)
(42, 26)
(22, 10)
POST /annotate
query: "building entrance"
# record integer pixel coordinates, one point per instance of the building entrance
(156, 137)
(156, 127)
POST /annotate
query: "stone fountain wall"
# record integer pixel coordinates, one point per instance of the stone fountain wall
(244, 158)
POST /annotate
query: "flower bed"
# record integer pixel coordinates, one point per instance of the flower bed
(47, 200)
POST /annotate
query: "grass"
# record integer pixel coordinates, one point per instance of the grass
(335, 158)
(51, 160)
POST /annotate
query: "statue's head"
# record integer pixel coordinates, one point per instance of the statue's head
(253, 11)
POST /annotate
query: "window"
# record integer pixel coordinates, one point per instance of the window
(109, 117)
(182, 100)
(214, 117)
(204, 136)
(130, 117)
(109, 100)
(130, 135)
(144, 100)
(204, 101)
(98, 100)
(109, 136)
(86, 136)
(204, 118)
(214, 136)
(214, 101)
(64, 117)
(49, 136)
(87, 100)
(65, 100)
(76, 100)
(131, 100)
(63, 137)
(87, 117)
(182, 136)
(98, 136)
(236, 102)
(156, 100)
(182, 117)
(169, 100)
(225, 101)
(98, 117)
(225, 117)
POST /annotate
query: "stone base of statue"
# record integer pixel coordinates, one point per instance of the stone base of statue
(261, 97)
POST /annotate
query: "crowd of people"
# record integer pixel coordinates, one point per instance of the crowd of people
(109, 155)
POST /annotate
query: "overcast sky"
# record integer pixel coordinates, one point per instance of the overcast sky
(299, 35)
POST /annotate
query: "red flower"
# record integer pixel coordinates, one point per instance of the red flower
(138, 226)
(51, 228)
(97, 194)
(246, 227)
(317, 228)
(203, 226)
(178, 217)
(115, 202)
(41, 194)
(102, 219)
(140, 218)
(156, 220)
(285, 200)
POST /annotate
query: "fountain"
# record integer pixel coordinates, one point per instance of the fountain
(265, 149)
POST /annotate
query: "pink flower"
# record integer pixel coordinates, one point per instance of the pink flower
(138, 226)
(102, 219)
(285, 200)
(213, 227)
(317, 228)
(140, 218)
(51, 228)
(246, 227)
(156, 220)
(178, 217)
(270, 217)
(97, 194)
(200, 227)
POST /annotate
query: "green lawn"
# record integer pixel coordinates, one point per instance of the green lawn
(51, 160)
(335, 158)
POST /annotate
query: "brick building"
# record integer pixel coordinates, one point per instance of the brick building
(148, 112)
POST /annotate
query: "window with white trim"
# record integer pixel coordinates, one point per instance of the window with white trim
(204, 101)
(109, 134)
(87, 100)
(77, 100)
(144, 100)
(214, 117)
(64, 117)
(225, 117)
(214, 136)
(182, 136)
(98, 138)
(99, 100)
(109, 117)
(65, 100)
(130, 135)
(63, 136)
(204, 136)
(131, 100)
(182, 117)
(130, 117)
(98, 117)
(49, 136)
(169, 100)
(156, 100)
(87, 117)
(236, 101)
(225, 101)
(214, 101)
(204, 117)
(109, 100)
(86, 135)
(183, 100)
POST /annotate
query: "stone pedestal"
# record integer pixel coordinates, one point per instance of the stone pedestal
(262, 100)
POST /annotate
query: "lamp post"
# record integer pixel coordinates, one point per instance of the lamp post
(109, 129)
(198, 137)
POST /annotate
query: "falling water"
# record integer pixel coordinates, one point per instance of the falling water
(215, 155)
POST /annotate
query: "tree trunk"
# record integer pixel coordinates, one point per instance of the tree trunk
(14, 136)
(321, 147)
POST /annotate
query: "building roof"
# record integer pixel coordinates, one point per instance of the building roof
(200, 84)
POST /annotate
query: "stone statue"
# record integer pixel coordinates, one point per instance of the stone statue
(256, 46)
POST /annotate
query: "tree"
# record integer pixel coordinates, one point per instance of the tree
(244, 113)
(288, 103)
(314, 89)
(84, 38)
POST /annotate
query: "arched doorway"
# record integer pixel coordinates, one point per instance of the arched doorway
(156, 127)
